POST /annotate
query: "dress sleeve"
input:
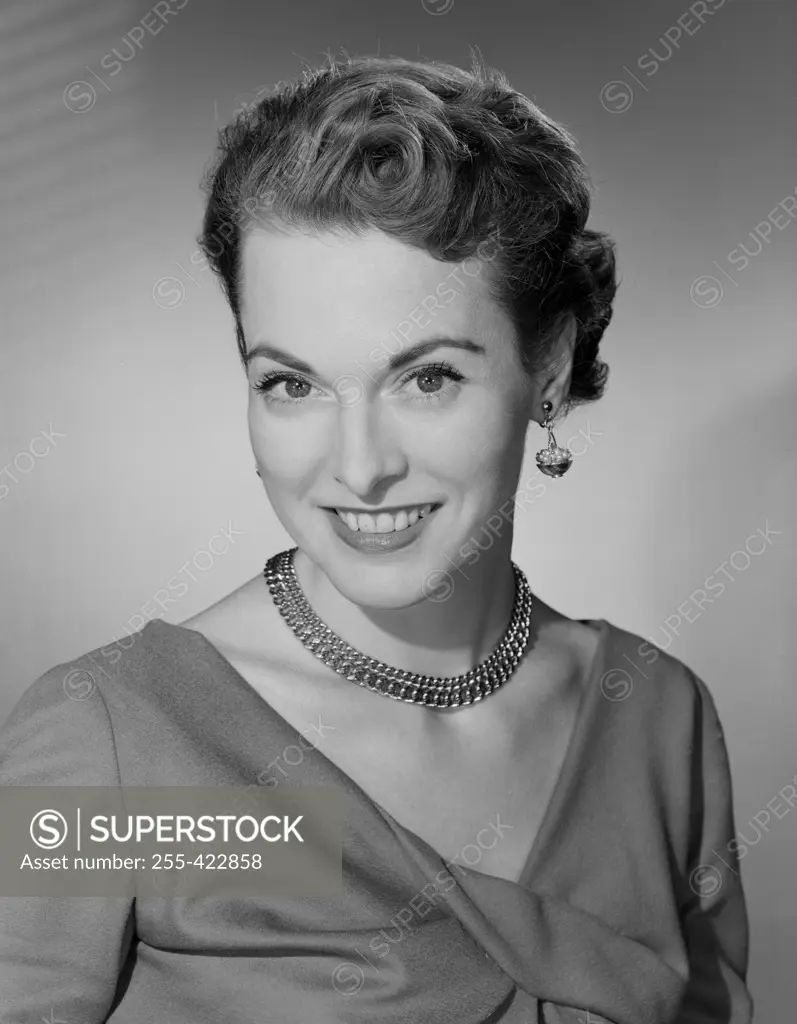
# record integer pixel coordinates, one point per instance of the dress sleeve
(714, 914)
(61, 957)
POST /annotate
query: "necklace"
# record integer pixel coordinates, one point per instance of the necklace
(410, 687)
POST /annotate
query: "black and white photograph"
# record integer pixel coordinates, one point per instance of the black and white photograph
(398, 451)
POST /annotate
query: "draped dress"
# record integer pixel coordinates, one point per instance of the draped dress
(629, 909)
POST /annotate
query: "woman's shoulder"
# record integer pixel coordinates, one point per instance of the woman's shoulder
(157, 653)
(101, 684)
(61, 728)
(86, 720)
(238, 619)
(620, 664)
(651, 691)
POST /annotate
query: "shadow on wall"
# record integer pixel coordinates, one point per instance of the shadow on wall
(734, 478)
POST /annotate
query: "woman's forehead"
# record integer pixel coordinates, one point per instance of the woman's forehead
(372, 283)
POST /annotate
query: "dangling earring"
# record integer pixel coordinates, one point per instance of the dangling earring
(553, 460)
(257, 471)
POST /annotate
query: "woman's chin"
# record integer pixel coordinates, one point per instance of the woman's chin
(378, 588)
(379, 583)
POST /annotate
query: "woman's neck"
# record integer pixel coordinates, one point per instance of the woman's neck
(440, 638)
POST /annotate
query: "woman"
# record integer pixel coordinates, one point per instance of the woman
(403, 247)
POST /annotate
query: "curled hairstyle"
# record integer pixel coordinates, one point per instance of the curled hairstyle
(457, 164)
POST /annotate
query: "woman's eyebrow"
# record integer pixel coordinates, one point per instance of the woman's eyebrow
(396, 361)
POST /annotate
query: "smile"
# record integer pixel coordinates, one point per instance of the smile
(384, 522)
(383, 532)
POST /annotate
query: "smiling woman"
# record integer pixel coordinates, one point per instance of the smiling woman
(372, 455)
(404, 248)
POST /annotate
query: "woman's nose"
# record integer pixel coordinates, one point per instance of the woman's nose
(366, 451)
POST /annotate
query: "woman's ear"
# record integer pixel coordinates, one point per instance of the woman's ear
(555, 376)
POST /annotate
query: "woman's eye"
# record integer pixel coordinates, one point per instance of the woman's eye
(296, 388)
(280, 388)
(431, 380)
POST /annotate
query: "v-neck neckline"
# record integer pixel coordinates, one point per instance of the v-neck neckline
(559, 794)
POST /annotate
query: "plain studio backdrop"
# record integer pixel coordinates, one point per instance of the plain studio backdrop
(124, 448)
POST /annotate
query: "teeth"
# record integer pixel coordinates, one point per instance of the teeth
(384, 522)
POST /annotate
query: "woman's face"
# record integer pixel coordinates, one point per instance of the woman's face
(337, 424)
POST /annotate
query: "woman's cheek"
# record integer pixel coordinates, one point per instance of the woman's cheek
(286, 446)
(480, 448)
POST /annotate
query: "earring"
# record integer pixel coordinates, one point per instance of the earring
(257, 471)
(553, 460)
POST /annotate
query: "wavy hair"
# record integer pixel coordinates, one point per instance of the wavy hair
(448, 161)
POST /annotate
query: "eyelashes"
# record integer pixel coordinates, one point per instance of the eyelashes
(267, 383)
(433, 370)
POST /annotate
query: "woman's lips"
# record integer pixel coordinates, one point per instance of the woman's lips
(378, 543)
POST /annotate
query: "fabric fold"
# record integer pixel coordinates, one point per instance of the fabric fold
(601, 925)
(555, 952)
